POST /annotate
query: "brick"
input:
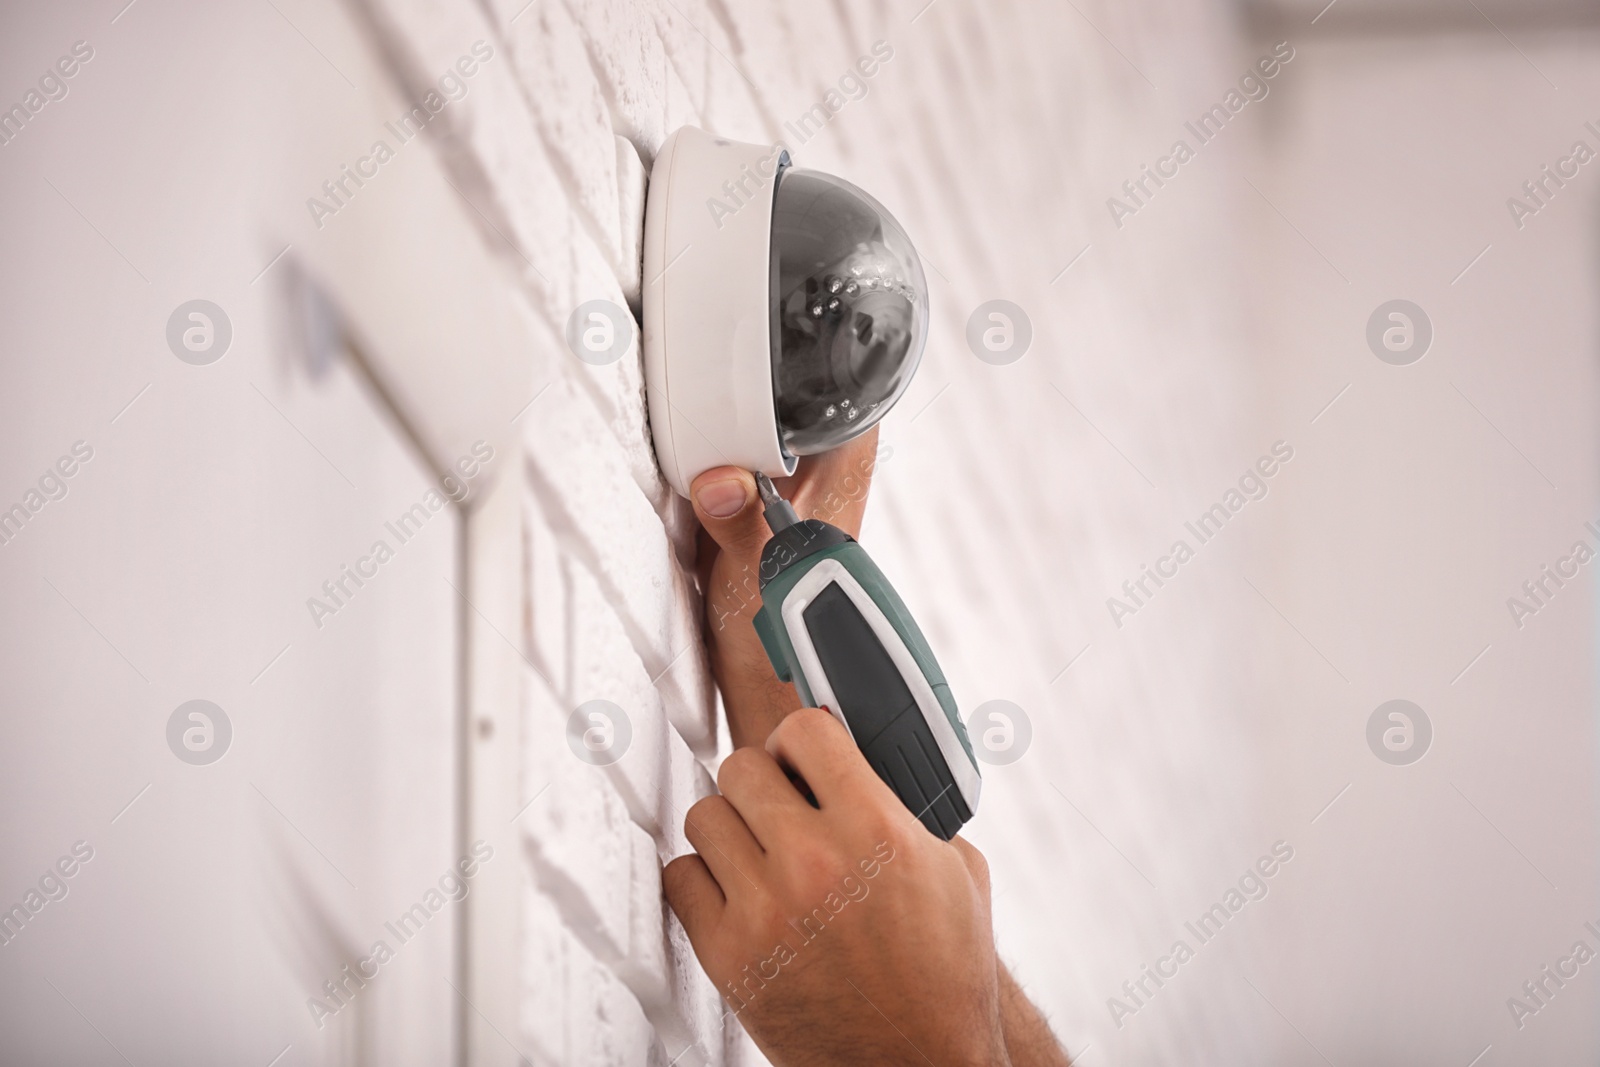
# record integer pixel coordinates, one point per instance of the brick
(572, 118)
(630, 64)
(601, 871)
(677, 102)
(660, 777)
(616, 389)
(691, 36)
(486, 139)
(575, 1011)
(734, 109)
(577, 837)
(632, 178)
(546, 638)
(762, 53)
(603, 522)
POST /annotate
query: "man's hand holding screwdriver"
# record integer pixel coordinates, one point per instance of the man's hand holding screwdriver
(842, 932)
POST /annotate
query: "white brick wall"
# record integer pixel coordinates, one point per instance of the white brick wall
(981, 135)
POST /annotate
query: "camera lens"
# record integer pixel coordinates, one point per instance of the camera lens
(851, 310)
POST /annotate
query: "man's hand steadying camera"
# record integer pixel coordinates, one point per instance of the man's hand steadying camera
(832, 486)
(843, 933)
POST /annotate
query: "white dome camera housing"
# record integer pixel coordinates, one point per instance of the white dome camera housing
(778, 322)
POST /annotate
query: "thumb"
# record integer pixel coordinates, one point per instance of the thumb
(728, 506)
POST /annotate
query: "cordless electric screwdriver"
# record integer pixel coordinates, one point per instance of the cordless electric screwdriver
(834, 626)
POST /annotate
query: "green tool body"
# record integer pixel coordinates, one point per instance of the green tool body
(834, 626)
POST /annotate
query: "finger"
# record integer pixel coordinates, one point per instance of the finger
(762, 794)
(730, 514)
(730, 553)
(729, 849)
(728, 506)
(754, 698)
(693, 895)
(833, 486)
(817, 746)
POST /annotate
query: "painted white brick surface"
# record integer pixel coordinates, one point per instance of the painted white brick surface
(995, 133)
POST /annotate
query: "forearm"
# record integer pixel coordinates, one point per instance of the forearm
(1029, 1042)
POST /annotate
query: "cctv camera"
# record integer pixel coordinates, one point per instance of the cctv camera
(785, 310)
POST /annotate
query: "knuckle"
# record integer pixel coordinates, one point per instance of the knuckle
(738, 766)
(809, 722)
(812, 866)
(701, 812)
(902, 834)
(783, 731)
(762, 906)
(673, 876)
(798, 728)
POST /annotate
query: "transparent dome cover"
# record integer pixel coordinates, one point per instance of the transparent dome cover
(851, 310)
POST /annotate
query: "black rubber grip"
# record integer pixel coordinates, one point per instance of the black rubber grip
(882, 713)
